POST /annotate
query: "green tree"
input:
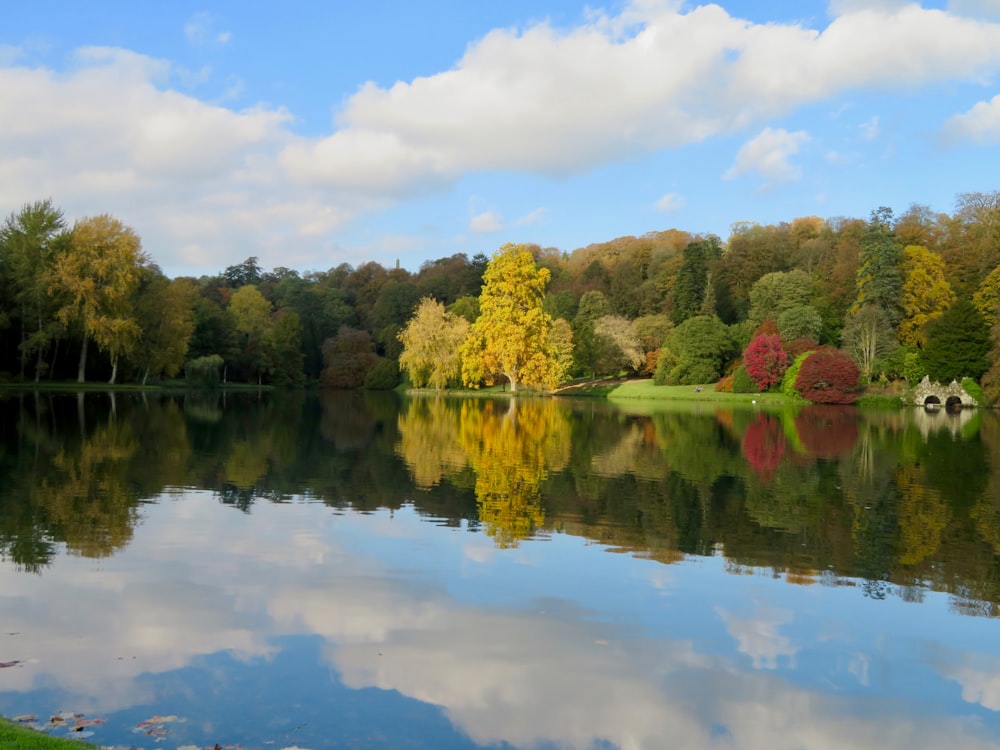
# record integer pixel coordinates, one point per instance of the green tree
(165, 313)
(589, 350)
(697, 351)
(30, 241)
(957, 344)
(693, 277)
(97, 278)
(776, 292)
(251, 314)
(868, 338)
(880, 280)
(926, 293)
(431, 342)
(511, 335)
(800, 322)
(621, 341)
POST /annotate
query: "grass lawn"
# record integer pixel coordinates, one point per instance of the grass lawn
(644, 390)
(15, 737)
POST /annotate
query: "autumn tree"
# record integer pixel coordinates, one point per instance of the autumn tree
(828, 376)
(765, 361)
(987, 297)
(511, 335)
(97, 277)
(926, 293)
(348, 357)
(431, 342)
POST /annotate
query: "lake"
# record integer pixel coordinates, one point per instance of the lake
(363, 571)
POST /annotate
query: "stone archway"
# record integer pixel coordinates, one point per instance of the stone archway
(933, 395)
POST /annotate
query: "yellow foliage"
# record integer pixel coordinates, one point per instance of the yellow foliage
(926, 293)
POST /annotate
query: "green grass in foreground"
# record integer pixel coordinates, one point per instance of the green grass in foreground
(15, 737)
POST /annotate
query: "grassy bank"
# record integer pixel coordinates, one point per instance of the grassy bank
(16, 737)
(644, 390)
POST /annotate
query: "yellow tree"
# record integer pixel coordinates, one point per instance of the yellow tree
(987, 297)
(926, 293)
(431, 342)
(511, 335)
(97, 276)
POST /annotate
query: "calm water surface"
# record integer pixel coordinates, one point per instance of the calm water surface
(359, 572)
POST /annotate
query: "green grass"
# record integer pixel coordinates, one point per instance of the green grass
(16, 737)
(644, 390)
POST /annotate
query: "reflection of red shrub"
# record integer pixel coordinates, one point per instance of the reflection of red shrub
(764, 445)
(828, 376)
(765, 361)
(827, 431)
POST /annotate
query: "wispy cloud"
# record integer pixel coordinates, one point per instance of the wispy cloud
(767, 155)
(670, 202)
(486, 223)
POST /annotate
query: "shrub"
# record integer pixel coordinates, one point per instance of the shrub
(828, 376)
(742, 382)
(974, 389)
(792, 373)
(203, 372)
(383, 377)
(725, 385)
(765, 361)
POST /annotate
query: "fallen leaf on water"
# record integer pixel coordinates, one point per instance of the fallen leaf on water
(5, 664)
(81, 723)
(25, 718)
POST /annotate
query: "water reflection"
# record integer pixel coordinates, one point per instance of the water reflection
(320, 563)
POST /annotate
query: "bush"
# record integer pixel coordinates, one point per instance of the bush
(203, 372)
(384, 376)
(742, 382)
(975, 390)
(828, 376)
(765, 361)
(792, 373)
(725, 385)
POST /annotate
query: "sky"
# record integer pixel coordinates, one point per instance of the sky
(310, 134)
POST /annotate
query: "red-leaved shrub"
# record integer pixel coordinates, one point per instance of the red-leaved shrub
(828, 376)
(766, 361)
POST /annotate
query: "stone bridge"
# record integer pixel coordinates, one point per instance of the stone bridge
(935, 395)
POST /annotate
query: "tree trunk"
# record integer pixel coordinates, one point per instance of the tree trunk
(114, 370)
(81, 371)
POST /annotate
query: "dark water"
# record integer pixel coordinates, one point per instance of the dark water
(358, 572)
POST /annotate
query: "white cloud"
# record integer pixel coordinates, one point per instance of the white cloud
(767, 154)
(112, 133)
(670, 202)
(200, 30)
(533, 217)
(870, 129)
(758, 637)
(980, 125)
(486, 222)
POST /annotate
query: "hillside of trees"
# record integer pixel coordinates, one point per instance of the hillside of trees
(903, 296)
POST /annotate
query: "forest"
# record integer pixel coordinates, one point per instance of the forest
(902, 296)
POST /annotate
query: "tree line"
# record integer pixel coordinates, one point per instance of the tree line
(902, 296)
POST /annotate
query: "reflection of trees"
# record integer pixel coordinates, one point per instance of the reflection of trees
(429, 440)
(827, 431)
(512, 447)
(764, 445)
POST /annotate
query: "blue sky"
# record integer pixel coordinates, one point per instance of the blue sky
(316, 133)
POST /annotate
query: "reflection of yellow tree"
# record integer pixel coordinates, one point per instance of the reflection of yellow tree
(247, 463)
(512, 448)
(428, 440)
(923, 516)
(87, 500)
